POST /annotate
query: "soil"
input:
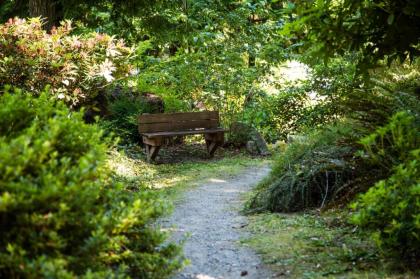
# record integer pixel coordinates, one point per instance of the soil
(191, 152)
(209, 221)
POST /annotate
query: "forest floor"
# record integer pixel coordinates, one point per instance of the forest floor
(219, 242)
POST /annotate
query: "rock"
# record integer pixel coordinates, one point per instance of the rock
(260, 142)
(154, 102)
(242, 134)
(239, 134)
(251, 147)
(244, 273)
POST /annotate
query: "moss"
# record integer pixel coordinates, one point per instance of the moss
(314, 245)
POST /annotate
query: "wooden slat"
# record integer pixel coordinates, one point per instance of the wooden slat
(182, 133)
(179, 116)
(177, 126)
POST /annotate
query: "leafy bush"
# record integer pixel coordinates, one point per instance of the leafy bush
(388, 91)
(209, 71)
(300, 104)
(288, 112)
(298, 179)
(76, 67)
(172, 101)
(391, 208)
(278, 115)
(312, 171)
(61, 214)
(123, 112)
(391, 144)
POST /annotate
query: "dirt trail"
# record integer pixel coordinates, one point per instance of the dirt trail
(210, 218)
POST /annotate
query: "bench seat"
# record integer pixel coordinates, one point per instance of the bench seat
(155, 127)
(182, 133)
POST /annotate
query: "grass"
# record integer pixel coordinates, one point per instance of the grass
(314, 245)
(187, 168)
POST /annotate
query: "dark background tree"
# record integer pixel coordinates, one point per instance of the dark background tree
(50, 10)
(53, 11)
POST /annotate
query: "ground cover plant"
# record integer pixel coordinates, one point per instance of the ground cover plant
(314, 245)
(311, 172)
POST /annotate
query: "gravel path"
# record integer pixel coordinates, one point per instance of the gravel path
(210, 218)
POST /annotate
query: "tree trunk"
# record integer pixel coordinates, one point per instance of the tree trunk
(251, 60)
(46, 9)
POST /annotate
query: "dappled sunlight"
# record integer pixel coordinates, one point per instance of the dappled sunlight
(216, 180)
(293, 71)
(289, 72)
(173, 229)
(170, 182)
(129, 166)
(124, 166)
(123, 170)
(203, 276)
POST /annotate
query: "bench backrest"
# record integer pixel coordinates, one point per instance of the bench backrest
(181, 121)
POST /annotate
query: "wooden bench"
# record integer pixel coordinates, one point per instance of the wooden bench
(155, 127)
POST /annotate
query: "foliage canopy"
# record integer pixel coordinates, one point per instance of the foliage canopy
(377, 29)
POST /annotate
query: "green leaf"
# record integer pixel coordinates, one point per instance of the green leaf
(390, 19)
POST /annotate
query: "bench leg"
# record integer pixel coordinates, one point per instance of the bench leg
(211, 147)
(152, 147)
(152, 152)
(213, 141)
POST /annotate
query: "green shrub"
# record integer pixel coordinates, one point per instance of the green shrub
(76, 67)
(123, 113)
(303, 104)
(172, 101)
(389, 90)
(61, 215)
(286, 113)
(277, 115)
(391, 144)
(313, 171)
(391, 208)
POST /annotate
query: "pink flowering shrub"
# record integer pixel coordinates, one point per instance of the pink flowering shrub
(77, 68)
